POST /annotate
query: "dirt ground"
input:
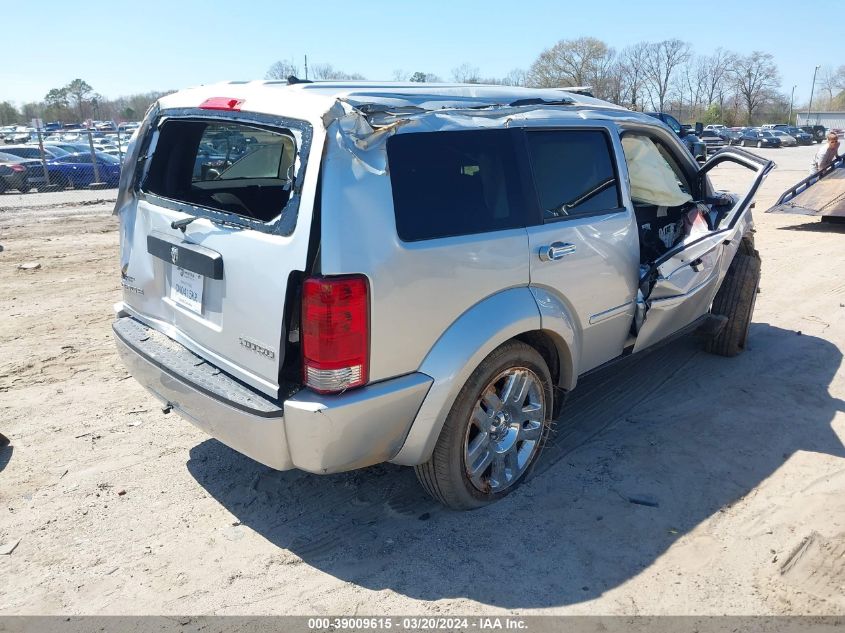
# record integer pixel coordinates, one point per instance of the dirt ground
(117, 508)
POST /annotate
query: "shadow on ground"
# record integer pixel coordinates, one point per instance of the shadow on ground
(690, 432)
(819, 226)
(5, 457)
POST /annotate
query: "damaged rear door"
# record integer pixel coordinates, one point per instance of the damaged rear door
(680, 286)
(215, 229)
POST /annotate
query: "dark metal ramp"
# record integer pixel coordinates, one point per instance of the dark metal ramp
(821, 194)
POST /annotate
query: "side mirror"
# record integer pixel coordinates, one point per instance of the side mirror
(699, 128)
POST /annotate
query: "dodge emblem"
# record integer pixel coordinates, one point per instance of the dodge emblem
(174, 254)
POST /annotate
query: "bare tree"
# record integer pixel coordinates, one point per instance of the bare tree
(579, 62)
(831, 81)
(282, 69)
(401, 75)
(327, 72)
(516, 77)
(632, 72)
(465, 74)
(693, 84)
(662, 59)
(755, 78)
(717, 73)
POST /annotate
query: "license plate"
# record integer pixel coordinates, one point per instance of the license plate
(186, 289)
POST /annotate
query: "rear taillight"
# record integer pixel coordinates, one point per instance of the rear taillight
(17, 168)
(335, 332)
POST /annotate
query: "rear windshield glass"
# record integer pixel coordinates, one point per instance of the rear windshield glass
(454, 183)
(229, 167)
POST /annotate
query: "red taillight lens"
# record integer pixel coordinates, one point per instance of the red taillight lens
(335, 332)
(17, 168)
(221, 103)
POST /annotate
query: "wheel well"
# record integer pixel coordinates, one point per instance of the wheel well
(546, 347)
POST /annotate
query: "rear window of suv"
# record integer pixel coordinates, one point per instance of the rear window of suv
(233, 168)
(454, 183)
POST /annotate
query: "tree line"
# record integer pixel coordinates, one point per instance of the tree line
(668, 76)
(76, 102)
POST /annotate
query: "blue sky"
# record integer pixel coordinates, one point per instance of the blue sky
(153, 45)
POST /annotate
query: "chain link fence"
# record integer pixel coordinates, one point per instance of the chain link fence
(38, 159)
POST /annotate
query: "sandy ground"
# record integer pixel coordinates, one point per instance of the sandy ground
(118, 508)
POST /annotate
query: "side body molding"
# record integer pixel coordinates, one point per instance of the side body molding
(457, 353)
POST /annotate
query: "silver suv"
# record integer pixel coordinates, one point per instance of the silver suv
(326, 276)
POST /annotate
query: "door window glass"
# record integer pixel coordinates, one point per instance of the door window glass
(573, 172)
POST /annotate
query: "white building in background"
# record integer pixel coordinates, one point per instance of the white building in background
(827, 119)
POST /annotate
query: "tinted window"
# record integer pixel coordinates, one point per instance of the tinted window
(573, 172)
(672, 122)
(454, 183)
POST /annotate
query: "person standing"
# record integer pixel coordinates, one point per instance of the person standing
(826, 154)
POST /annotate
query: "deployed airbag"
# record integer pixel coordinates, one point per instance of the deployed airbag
(652, 179)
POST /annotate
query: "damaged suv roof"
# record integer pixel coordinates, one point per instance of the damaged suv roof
(311, 101)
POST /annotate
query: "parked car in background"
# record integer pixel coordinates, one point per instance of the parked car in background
(799, 135)
(692, 142)
(33, 151)
(715, 127)
(77, 170)
(818, 132)
(17, 134)
(70, 148)
(785, 139)
(729, 135)
(713, 139)
(13, 174)
(759, 137)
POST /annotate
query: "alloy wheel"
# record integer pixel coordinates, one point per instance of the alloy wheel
(505, 430)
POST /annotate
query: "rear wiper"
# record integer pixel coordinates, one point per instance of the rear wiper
(181, 224)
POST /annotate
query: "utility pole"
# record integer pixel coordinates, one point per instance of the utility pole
(810, 107)
(791, 100)
(306, 67)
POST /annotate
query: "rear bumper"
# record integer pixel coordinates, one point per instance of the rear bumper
(313, 432)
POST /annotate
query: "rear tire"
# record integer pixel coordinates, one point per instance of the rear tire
(759, 144)
(735, 300)
(494, 434)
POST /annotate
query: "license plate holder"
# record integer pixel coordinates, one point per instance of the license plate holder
(186, 289)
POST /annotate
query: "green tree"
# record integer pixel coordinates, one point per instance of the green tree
(8, 113)
(56, 98)
(418, 77)
(713, 114)
(79, 92)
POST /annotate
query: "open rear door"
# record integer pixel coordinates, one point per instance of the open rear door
(680, 286)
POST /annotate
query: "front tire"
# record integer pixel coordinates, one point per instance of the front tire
(494, 432)
(735, 300)
(759, 144)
